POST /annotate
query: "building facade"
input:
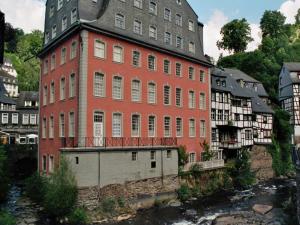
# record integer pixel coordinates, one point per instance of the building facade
(123, 74)
(240, 117)
(8, 75)
(289, 96)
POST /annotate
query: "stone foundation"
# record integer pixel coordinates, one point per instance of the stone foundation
(133, 191)
(261, 162)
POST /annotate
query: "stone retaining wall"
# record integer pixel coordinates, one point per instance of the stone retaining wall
(261, 162)
(133, 191)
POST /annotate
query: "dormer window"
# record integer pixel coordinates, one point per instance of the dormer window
(73, 16)
(218, 82)
(178, 20)
(153, 32)
(51, 13)
(191, 26)
(120, 21)
(192, 47)
(138, 4)
(223, 83)
(153, 8)
(64, 23)
(137, 27)
(54, 31)
(179, 2)
(179, 42)
(59, 4)
(168, 38)
(167, 14)
(47, 37)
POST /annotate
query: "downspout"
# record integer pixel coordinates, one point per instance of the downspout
(162, 167)
(39, 117)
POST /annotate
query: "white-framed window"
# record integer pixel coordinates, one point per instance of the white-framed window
(167, 66)
(59, 4)
(117, 92)
(192, 157)
(192, 47)
(53, 61)
(167, 95)
(99, 49)
(63, 56)
(153, 7)
(137, 27)
(118, 54)
(25, 119)
(15, 118)
(153, 32)
(151, 62)
(73, 15)
(46, 63)
(134, 156)
(4, 118)
(45, 95)
(179, 2)
(167, 126)
(51, 164)
(47, 37)
(99, 85)
(72, 86)
(167, 14)
(117, 125)
(51, 127)
(136, 58)
(192, 128)
(151, 126)
(64, 23)
(179, 42)
(44, 163)
(202, 103)
(178, 20)
(192, 100)
(135, 125)
(178, 69)
(62, 125)
(136, 91)
(179, 127)
(138, 3)
(44, 128)
(120, 21)
(71, 124)
(248, 134)
(168, 38)
(33, 119)
(151, 93)
(54, 31)
(62, 88)
(73, 50)
(52, 92)
(178, 97)
(191, 25)
(202, 128)
(202, 76)
(214, 135)
(191, 73)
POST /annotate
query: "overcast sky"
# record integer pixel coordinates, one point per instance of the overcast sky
(29, 15)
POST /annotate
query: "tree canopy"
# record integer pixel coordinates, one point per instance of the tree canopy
(272, 24)
(236, 35)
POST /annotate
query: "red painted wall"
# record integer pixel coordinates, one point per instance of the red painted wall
(125, 106)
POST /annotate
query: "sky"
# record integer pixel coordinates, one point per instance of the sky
(29, 15)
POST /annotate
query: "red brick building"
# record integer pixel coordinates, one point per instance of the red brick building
(122, 73)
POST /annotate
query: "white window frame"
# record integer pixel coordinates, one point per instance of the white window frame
(99, 49)
(72, 124)
(136, 90)
(151, 126)
(151, 93)
(202, 128)
(136, 133)
(4, 118)
(99, 85)
(167, 132)
(72, 85)
(25, 119)
(120, 21)
(62, 125)
(51, 127)
(192, 127)
(117, 124)
(117, 91)
(62, 89)
(118, 54)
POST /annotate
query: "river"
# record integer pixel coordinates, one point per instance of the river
(196, 212)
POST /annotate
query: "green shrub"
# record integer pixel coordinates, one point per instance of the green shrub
(182, 156)
(109, 205)
(4, 180)
(184, 193)
(121, 202)
(6, 219)
(35, 187)
(60, 192)
(78, 217)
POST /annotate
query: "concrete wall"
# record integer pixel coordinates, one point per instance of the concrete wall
(102, 168)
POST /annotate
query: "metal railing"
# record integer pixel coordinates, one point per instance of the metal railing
(118, 142)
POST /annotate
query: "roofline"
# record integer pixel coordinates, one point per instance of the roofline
(82, 26)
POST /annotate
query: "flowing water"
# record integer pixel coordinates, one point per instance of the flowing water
(196, 212)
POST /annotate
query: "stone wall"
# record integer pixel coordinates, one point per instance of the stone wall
(134, 191)
(261, 162)
(298, 194)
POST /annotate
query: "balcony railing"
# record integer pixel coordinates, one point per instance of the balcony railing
(117, 142)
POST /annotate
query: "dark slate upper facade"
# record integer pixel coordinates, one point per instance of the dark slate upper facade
(101, 15)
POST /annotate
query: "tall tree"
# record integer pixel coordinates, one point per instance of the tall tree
(11, 37)
(272, 24)
(297, 17)
(236, 35)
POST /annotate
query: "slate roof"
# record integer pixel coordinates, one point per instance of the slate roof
(27, 96)
(4, 96)
(5, 74)
(292, 66)
(232, 86)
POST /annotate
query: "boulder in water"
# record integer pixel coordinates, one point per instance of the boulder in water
(262, 209)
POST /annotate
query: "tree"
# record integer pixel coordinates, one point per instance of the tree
(11, 37)
(236, 35)
(297, 17)
(272, 24)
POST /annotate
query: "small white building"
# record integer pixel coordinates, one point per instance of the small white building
(8, 75)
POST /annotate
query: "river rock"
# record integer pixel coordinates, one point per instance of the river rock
(175, 203)
(124, 217)
(262, 209)
(191, 212)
